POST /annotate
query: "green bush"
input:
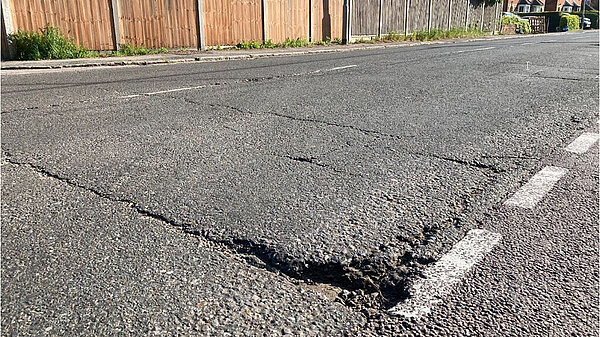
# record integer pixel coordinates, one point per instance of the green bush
(509, 20)
(47, 44)
(523, 26)
(569, 21)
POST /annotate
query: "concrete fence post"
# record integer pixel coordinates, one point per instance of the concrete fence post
(429, 17)
(482, 16)
(310, 20)
(449, 14)
(406, 4)
(114, 8)
(264, 20)
(347, 24)
(467, 15)
(200, 31)
(9, 29)
(496, 19)
(379, 32)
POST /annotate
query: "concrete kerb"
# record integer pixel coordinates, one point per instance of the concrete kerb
(167, 59)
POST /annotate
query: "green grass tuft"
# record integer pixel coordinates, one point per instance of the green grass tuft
(47, 44)
(129, 50)
(288, 43)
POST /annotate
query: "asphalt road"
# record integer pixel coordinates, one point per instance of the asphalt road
(305, 195)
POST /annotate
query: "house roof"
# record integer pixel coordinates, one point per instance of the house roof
(524, 2)
(567, 3)
(537, 3)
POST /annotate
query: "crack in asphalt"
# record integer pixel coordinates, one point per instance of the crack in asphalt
(372, 133)
(314, 161)
(311, 160)
(470, 163)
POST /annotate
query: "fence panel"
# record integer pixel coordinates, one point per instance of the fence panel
(159, 23)
(475, 12)
(89, 22)
(327, 19)
(490, 17)
(459, 13)
(393, 16)
(227, 22)
(365, 17)
(439, 14)
(287, 18)
(418, 15)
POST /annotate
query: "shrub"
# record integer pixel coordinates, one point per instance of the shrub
(523, 26)
(47, 44)
(569, 21)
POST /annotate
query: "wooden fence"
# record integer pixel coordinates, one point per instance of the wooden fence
(378, 17)
(108, 24)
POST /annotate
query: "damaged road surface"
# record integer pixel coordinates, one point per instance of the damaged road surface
(304, 195)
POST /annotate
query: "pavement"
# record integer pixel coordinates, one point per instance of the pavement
(305, 194)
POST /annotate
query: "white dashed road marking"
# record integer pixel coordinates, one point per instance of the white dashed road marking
(440, 277)
(476, 49)
(535, 189)
(340, 68)
(583, 143)
(204, 86)
(164, 91)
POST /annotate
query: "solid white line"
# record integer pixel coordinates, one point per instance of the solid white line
(340, 68)
(443, 275)
(526, 43)
(535, 189)
(583, 143)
